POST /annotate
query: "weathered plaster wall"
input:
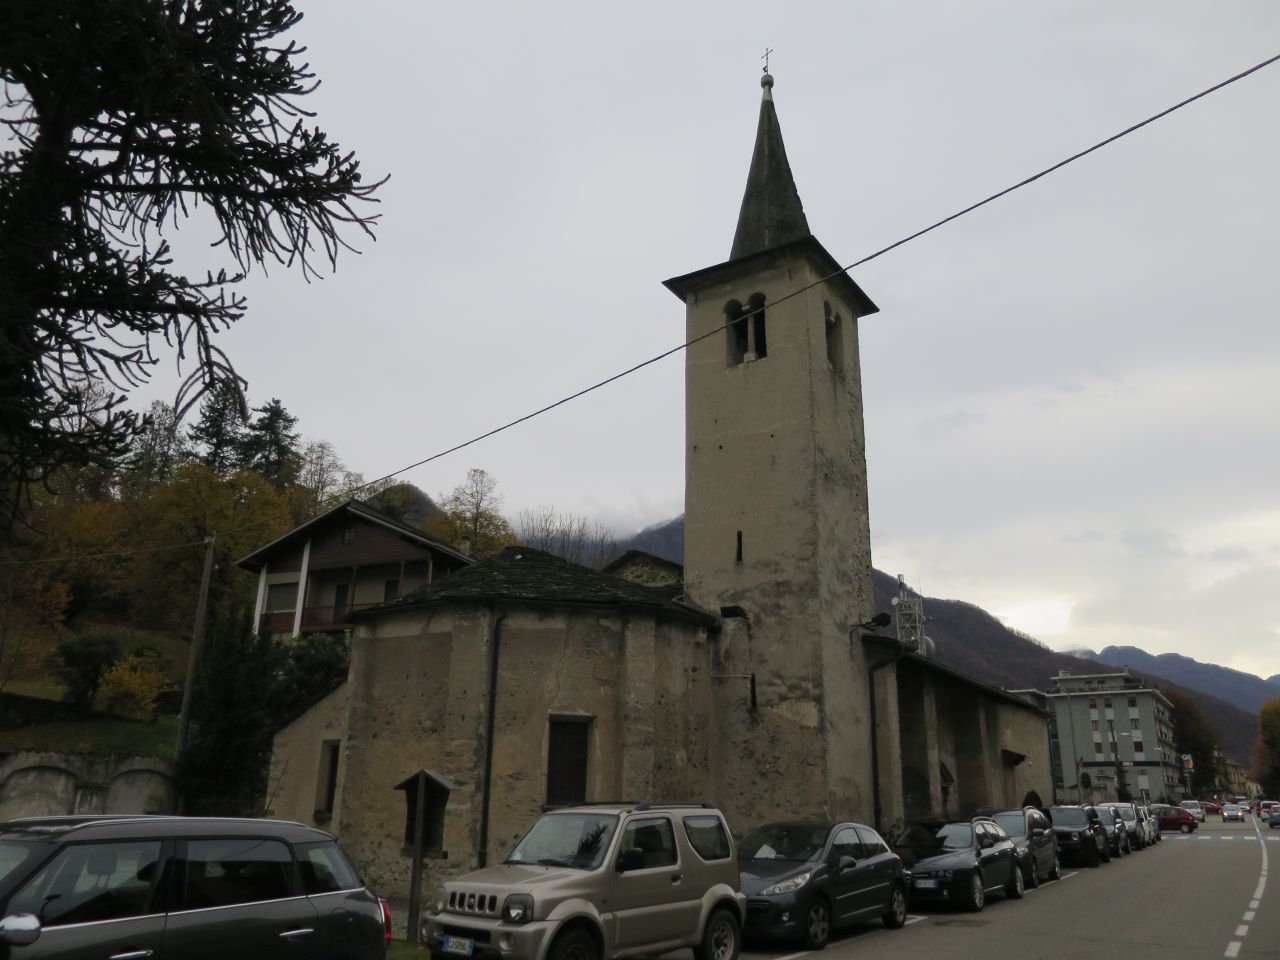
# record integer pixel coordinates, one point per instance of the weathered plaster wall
(48, 784)
(417, 699)
(294, 788)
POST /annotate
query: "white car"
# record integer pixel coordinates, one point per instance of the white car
(1194, 808)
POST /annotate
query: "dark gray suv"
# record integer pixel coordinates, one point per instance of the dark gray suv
(163, 888)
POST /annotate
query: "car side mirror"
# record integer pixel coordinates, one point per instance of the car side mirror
(845, 862)
(20, 929)
(1037, 831)
(630, 858)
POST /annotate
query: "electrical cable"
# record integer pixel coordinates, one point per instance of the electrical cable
(809, 286)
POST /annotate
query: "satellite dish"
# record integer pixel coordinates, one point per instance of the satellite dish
(894, 601)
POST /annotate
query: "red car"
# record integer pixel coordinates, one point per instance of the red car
(1174, 818)
(1208, 806)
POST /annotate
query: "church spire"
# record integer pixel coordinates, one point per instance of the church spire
(771, 212)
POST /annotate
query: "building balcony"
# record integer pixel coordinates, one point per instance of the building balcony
(314, 619)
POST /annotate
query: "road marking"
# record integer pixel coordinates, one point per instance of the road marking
(1242, 930)
(1253, 904)
(1249, 915)
(1233, 949)
(911, 918)
(1068, 876)
(794, 956)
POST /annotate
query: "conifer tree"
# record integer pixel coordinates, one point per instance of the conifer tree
(217, 438)
(270, 445)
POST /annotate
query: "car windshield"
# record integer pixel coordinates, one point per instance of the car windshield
(784, 841)
(932, 835)
(1230, 808)
(567, 840)
(1014, 824)
(1067, 817)
(1127, 813)
(13, 854)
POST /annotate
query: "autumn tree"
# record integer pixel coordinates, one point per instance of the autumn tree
(566, 534)
(1192, 734)
(404, 502)
(269, 445)
(157, 449)
(124, 118)
(1266, 749)
(470, 519)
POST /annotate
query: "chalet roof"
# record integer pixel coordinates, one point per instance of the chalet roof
(525, 574)
(361, 510)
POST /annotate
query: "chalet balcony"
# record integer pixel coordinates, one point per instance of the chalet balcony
(314, 619)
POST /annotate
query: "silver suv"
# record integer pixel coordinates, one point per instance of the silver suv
(599, 882)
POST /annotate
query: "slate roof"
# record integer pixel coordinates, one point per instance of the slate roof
(771, 213)
(522, 573)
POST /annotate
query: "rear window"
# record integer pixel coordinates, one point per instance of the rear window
(222, 872)
(708, 837)
(1068, 817)
(325, 869)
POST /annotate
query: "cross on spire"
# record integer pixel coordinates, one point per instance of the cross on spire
(765, 58)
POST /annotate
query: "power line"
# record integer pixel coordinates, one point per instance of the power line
(857, 263)
(100, 556)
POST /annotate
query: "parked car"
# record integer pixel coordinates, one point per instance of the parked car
(1265, 807)
(1208, 806)
(1081, 838)
(959, 861)
(1117, 835)
(190, 887)
(1274, 819)
(803, 880)
(1136, 837)
(1193, 807)
(1037, 845)
(1150, 825)
(1175, 818)
(598, 881)
(1232, 811)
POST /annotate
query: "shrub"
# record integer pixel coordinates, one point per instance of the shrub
(84, 659)
(132, 685)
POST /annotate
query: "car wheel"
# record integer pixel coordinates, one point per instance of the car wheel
(574, 945)
(1032, 876)
(817, 925)
(1106, 853)
(896, 918)
(1095, 860)
(1016, 886)
(977, 898)
(1185, 828)
(721, 939)
(1055, 873)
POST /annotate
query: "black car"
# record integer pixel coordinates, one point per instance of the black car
(1117, 834)
(1034, 839)
(1081, 836)
(195, 888)
(959, 861)
(804, 879)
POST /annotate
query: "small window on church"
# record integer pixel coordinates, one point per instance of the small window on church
(567, 760)
(327, 785)
(736, 332)
(759, 349)
(835, 339)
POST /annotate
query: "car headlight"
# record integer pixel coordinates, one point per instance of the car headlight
(517, 908)
(944, 874)
(787, 886)
(438, 901)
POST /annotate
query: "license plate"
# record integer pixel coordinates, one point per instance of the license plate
(927, 884)
(459, 945)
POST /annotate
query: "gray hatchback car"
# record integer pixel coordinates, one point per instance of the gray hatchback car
(599, 882)
(181, 888)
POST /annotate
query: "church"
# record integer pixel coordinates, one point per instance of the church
(752, 678)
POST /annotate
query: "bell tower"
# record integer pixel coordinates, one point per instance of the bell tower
(776, 523)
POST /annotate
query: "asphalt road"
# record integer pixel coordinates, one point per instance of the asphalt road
(1204, 895)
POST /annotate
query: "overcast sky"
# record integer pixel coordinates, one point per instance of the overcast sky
(1070, 395)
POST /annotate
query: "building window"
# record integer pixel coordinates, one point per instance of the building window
(568, 740)
(1133, 701)
(1095, 724)
(348, 534)
(1106, 702)
(434, 800)
(1135, 723)
(327, 781)
(1138, 747)
(1097, 747)
(1093, 703)
(281, 597)
(835, 339)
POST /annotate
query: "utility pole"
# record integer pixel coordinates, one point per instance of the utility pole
(197, 643)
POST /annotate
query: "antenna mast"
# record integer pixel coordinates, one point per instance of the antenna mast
(909, 614)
